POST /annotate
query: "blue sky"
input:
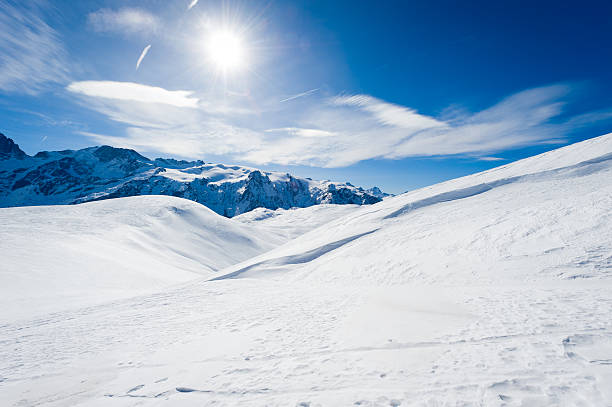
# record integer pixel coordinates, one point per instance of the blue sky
(394, 93)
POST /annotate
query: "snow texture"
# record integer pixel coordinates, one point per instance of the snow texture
(492, 289)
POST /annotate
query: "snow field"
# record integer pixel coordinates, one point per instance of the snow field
(492, 289)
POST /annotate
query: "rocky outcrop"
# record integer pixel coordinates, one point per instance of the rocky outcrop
(8, 149)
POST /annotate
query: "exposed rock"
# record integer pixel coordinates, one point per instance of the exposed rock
(8, 149)
(95, 173)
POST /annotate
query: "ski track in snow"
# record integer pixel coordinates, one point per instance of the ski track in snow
(492, 289)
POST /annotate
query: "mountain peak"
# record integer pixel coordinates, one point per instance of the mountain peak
(109, 153)
(375, 191)
(9, 149)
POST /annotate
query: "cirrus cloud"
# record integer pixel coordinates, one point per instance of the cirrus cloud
(33, 55)
(364, 127)
(333, 131)
(123, 21)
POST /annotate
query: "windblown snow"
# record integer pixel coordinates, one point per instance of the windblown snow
(492, 289)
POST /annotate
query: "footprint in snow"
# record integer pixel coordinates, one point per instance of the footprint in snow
(140, 386)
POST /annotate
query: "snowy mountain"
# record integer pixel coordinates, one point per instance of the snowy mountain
(96, 173)
(492, 289)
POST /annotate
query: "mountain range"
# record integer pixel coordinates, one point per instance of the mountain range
(103, 172)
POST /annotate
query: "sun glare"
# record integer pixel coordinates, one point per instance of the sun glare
(226, 50)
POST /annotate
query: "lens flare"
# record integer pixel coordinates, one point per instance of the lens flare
(226, 50)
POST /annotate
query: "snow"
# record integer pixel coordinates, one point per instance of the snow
(215, 173)
(493, 289)
(294, 222)
(549, 223)
(105, 172)
(55, 257)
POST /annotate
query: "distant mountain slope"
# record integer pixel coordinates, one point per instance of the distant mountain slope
(541, 217)
(95, 173)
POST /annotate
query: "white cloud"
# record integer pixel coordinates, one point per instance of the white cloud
(124, 21)
(519, 120)
(207, 138)
(486, 158)
(333, 132)
(32, 55)
(296, 131)
(163, 121)
(388, 113)
(134, 92)
(365, 127)
(142, 55)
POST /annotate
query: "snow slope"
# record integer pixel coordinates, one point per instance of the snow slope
(59, 257)
(62, 257)
(291, 223)
(492, 289)
(545, 216)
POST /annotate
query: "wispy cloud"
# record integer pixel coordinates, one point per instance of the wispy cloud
(32, 54)
(164, 121)
(134, 92)
(192, 4)
(191, 141)
(299, 95)
(333, 132)
(388, 113)
(123, 21)
(364, 127)
(488, 158)
(142, 55)
(296, 131)
(520, 120)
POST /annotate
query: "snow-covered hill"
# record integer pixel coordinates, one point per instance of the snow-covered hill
(58, 257)
(63, 257)
(95, 173)
(542, 217)
(492, 289)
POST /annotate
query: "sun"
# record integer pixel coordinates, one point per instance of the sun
(226, 50)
